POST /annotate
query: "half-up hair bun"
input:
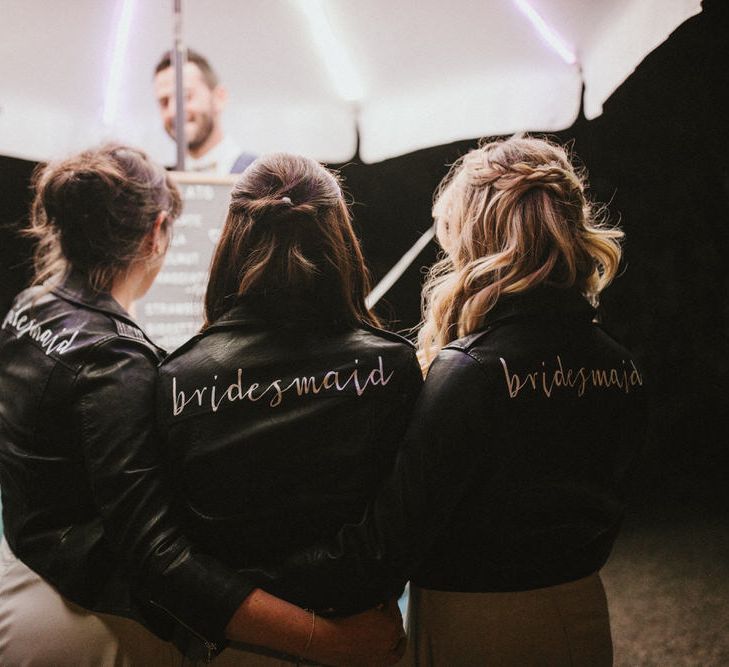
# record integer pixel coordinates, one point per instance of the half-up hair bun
(273, 209)
(288, 232)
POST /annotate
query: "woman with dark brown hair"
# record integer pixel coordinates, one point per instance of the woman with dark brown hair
(283, 416)
(91, 540)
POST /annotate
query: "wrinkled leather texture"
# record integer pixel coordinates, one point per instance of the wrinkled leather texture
(85, 503)
(513, 470)
(281, 425)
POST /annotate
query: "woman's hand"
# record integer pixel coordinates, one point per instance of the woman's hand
(374, 637)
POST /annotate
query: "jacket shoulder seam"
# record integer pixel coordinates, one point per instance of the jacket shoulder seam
(467, 343)
(481, 365)
(137, 344)
(184, 347)
(384, 333)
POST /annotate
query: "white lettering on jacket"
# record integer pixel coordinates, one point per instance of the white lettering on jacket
(545, 380)
(48, 339)
(275, 390)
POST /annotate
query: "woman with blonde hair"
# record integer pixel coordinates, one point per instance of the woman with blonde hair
(506, 497)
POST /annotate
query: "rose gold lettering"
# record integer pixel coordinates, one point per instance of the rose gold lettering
(235, 390)
(512, 381)
(305, 385)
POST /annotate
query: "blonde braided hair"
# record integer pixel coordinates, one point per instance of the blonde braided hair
(511, 215)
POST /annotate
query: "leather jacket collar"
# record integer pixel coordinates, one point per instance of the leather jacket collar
(278, 309)
(541, 301)
(76, 289)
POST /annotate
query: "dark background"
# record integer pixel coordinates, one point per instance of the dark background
(659, 157)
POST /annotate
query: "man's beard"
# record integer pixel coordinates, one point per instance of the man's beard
(204, 130)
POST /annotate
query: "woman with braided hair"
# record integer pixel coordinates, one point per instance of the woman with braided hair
(506, 496)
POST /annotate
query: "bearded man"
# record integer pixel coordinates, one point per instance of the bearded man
(209, 149)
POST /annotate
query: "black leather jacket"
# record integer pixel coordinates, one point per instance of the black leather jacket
(281, 426)
(84, 501)
(511, 476)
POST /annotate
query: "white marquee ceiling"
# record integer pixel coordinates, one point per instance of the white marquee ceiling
(431, 71)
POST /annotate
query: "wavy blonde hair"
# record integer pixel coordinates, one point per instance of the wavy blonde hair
(511, 215)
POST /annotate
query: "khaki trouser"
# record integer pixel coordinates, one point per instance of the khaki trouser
(40, 628)
(559, 626)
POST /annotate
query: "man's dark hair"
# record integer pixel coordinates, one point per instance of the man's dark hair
(209, 75)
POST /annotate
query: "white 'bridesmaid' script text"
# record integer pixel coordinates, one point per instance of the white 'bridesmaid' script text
(48, 339)
(275, 390)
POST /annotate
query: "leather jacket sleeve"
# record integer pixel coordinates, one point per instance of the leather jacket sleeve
(114, 412)
(371, 560)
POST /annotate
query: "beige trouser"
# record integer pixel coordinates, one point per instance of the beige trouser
(559, 626)
(40, 628)
(233, 657)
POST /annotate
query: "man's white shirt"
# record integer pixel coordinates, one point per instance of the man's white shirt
(218, 160)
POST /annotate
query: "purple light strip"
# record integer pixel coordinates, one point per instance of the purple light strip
(549, 35)
(116, 70)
